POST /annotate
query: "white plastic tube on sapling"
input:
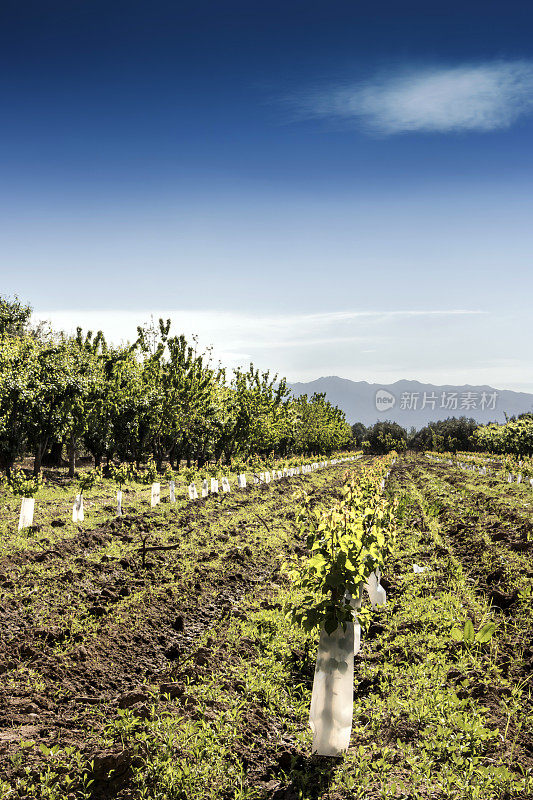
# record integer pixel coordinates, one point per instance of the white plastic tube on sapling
(205, 488)
(331, 712)
(78, 514)
(27, 507)
(214, 486)
(225, 485)
(172, 491)
(193, 492)
(155, 494)
(355, 603)
(376, 592)
(119, 503)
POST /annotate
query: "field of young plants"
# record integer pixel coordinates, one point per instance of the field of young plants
(170, 652)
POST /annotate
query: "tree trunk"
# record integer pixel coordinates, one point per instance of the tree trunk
(71, 458)
(97, 460)
(39, 452)
(53, 458)
(171, 456)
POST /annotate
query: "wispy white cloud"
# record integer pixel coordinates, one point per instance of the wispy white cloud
(436, 345)
(283, 342)
(481, 97)
(240, 331)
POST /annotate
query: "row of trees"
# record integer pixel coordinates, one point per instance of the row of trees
(158, 397)
(515, 437)
(447, 435)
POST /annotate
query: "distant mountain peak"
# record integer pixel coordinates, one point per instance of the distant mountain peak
(413, 403)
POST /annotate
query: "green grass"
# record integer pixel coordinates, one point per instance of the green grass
(433, 717)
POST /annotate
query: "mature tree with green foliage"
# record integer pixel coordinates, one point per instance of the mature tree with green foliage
(14, 317)
(319, 427)
(17, 396)
(514, 437)
(358, 433)
(383, 437)
(445, 436)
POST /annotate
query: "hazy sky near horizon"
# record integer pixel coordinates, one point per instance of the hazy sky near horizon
(320, 187)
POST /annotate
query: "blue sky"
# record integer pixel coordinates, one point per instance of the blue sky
(321, 187)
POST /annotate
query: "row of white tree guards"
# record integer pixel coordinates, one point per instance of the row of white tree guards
(484, 470)
(331, 712)
(212, 486)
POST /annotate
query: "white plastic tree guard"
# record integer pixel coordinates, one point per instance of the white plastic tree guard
(119, 503)
(355, 603)
(205, 488)
(331, 712)
(241, 480)
(225, 485)
(214, 486)
(172, 491)
(376, 592)
(27, 507)
(155, 495)
(78, 514)
(193, 492)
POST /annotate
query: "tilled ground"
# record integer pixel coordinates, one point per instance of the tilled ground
(488, 530)
(89, 623)
(185, 653)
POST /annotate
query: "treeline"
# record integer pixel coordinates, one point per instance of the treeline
(447, 435)
(450, 435)
(515, 437)
(156, 398)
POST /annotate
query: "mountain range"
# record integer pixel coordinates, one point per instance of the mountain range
(414, 404)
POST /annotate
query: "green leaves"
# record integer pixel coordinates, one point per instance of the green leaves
(89, 479)
(468, 631)
(468, 636)
(345, 544)
(485, 633)
(23, 486)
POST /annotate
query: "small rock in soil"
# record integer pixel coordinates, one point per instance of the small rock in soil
(104, 762)
(178, 624)
(172, 689)
(173, 652)
(129, 699)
